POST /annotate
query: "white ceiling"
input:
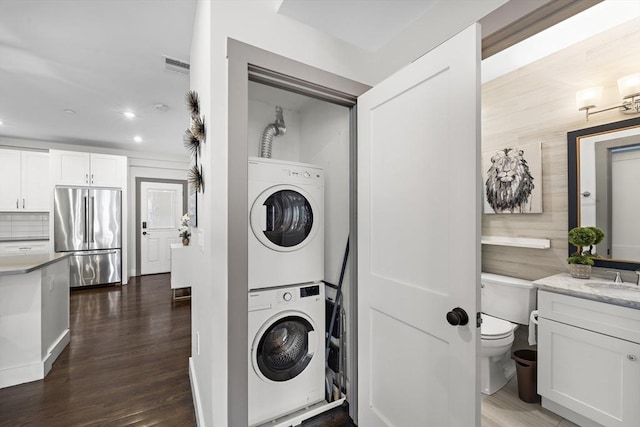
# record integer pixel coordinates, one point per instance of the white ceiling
(363, 23)
(97, 58)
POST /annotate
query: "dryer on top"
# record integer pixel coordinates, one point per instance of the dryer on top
(286, 223)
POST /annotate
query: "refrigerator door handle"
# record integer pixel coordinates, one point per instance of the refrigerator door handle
(93, 215)
(86, 221)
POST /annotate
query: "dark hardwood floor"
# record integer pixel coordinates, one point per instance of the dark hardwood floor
(127, 364)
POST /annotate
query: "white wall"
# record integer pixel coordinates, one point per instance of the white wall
(207, 366)
(259, 25)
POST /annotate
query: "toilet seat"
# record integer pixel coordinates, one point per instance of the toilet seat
(493, 328)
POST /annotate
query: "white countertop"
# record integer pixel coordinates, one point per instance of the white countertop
(21, 264)
(625, 295)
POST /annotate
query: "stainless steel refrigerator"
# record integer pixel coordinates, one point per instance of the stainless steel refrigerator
(87, 222)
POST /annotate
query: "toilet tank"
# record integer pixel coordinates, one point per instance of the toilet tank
(508, 298)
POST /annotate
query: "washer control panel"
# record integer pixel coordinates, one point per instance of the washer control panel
(291, 295)
(309, 291)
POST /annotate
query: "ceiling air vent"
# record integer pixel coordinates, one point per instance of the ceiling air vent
(173, 64)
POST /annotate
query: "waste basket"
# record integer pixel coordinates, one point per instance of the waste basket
(527, 373)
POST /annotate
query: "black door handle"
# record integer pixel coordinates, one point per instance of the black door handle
(457, 317)
(144, 233)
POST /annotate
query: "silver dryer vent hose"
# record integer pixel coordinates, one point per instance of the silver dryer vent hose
(272, 130)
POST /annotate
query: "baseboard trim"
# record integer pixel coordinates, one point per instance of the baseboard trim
(54, 351)
(20, 374)
(195, 393)
(34, 371)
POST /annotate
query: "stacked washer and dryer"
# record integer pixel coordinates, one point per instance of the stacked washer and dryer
(286, 296)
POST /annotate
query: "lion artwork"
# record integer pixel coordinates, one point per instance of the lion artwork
(509, 183)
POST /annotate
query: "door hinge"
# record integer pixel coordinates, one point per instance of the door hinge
(478, 320)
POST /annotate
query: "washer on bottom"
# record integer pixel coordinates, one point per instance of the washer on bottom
(286, 350)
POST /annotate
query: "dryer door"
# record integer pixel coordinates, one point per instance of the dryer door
(284, 218)
(284, 348)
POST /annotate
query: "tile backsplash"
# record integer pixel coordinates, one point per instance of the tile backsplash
(24, 225)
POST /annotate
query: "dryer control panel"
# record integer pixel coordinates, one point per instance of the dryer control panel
(282, 172)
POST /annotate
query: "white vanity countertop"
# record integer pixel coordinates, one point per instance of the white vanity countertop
(625, 295)
(22, 264)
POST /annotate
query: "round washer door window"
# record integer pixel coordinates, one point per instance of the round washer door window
(284, 349)
(282, 218)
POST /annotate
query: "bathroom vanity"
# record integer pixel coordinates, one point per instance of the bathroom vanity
(589, 350)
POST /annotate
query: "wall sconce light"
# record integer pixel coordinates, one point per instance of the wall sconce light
(629, 88)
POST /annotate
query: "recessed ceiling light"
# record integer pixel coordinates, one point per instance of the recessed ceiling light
(137, 138)
(1, 122)
(129, 114)
(69, 111)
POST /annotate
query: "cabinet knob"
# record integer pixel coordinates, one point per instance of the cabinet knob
(17, 203)
(632, 357)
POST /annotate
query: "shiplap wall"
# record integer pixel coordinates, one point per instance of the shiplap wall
(537, 103)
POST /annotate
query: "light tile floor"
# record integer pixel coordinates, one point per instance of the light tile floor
(505, 409)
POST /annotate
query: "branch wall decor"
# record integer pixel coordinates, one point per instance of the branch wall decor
(193, 103)
(193, 136)
(198, 127)
(191, 143)
(195, 178)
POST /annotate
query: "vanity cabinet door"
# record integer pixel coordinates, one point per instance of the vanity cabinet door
(593, 374)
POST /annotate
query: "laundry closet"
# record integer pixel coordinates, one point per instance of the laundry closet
(299, 169)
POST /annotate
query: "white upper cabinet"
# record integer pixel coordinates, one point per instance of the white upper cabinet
(88, 169)
(24, 177)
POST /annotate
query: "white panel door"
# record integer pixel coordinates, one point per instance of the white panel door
(160, 214)
(625, 203)
(419, 241)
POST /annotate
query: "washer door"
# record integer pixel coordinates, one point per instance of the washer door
(284, 218)
(284, 347)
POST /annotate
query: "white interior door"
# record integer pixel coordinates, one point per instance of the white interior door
(625, 203)
(419, 241)
(160, 213)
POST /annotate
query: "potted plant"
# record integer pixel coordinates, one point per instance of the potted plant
(185, 231)
(584, 239)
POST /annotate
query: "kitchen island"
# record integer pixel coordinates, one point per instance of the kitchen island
(34, 315)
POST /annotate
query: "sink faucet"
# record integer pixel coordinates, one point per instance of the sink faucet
(618, 279)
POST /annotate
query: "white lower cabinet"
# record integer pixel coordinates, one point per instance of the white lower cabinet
(589, 360)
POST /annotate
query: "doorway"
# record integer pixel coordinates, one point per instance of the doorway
(160, 205)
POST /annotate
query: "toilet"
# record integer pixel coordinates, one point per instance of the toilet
(506, 303)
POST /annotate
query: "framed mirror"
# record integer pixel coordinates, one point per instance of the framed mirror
(604, 189)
